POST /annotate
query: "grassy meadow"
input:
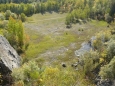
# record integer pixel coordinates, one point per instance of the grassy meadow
(49, 37)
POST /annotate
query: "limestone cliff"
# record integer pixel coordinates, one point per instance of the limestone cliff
(8, 56)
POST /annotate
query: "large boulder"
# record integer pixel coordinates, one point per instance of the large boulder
(9, 58)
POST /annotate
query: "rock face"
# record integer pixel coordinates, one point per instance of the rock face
(9, 58)
(106, 82)
(85, 47)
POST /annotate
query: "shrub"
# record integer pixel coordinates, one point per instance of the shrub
(110, 50)
(16, 36)
(23, 17)
(19, 83)
(1, 24)
(55, 77)
(2, 17)
(7, 14)
(101, 37)
(91, 62)
(29, 73)
(108, 71)
(14, 16)
(108, 18)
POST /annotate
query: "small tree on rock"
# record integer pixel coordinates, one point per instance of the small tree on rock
(16, 36)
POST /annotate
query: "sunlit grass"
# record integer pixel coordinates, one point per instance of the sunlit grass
(39, 44)
(1, 31)
(48, 42)
(98, 23)
(47, 18)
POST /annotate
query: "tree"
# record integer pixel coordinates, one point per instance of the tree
(15, 35)
(23, 17)
(7, 14)
(108, 18)
(112, 10)
(14, 16)
(68, 19)
(43, 8)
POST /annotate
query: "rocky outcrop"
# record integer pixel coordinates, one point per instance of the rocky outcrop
(85, 47)
(9, 58)
(106, 82)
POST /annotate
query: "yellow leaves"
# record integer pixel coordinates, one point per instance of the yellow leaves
(1, 78)
(101, 60)
(101, 37)
(94, 42)
(51, 71)
(104, 35)
(16, 35)
(104, 53)
(1, 31)
(40, 80)
(19, 83)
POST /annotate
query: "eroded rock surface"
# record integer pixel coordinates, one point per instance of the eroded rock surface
(8, 56)
(9, 59)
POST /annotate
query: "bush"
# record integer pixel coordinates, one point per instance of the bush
(23, 17)
(29, 73)
(13, 15)
(7, 14)
(2, 17)
(101, 37)
(108, 71)
(16, 36)
(108, 18)
(110, 50)
(19, 83)
(91, 61)
(1, 24)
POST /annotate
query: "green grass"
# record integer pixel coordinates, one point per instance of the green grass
(1, 31)
(47, 42)
(40, 43)
(99, 23)
(46, 18)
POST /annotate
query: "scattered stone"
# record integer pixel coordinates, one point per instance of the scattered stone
(68, 26)
(75, 65)
(108, 26)
(64, 65)
(105, 82)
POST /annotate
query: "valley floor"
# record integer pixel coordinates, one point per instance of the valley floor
(52, 43)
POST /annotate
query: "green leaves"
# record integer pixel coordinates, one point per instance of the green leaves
(23, 17)
(15, 35)
(28, 73)
(77, 14)
(7, 14)
(108, 71)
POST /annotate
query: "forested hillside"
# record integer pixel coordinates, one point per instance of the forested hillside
(86, 8)
(48, 33)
